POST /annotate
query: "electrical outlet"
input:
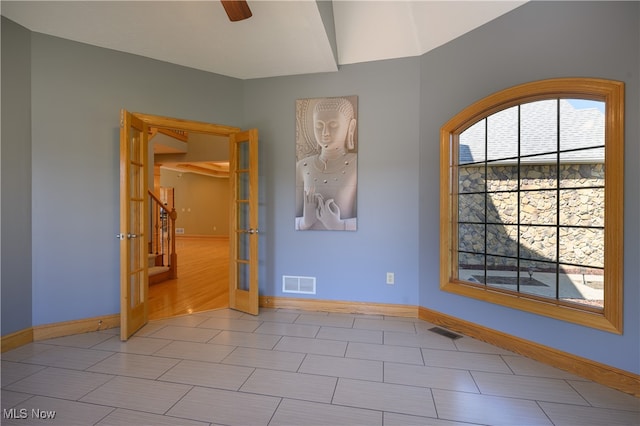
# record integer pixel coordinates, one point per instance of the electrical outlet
(391, 278)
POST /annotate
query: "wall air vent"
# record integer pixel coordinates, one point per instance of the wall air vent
(294, 284)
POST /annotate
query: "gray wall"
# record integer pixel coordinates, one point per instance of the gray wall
(348, 265)
(16, 178)
(536, 41)
(77, 93)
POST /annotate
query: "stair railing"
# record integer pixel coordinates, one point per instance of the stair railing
(162, 240)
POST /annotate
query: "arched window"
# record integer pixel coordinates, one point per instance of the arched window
(532, 200)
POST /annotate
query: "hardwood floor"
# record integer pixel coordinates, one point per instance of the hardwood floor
(202, 283)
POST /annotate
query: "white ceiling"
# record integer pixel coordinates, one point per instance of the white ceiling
(282, 38)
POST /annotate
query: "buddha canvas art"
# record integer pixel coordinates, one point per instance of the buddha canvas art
(326, 164)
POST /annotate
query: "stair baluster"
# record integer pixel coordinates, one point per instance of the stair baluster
(162, 242)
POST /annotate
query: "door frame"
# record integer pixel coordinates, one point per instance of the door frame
(187, 125)
(151, 120)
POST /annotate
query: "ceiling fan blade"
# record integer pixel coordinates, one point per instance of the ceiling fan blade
(237, 10)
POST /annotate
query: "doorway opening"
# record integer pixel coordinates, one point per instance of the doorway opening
(191, 174)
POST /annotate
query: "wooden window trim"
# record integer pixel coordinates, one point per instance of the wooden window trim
(612, 93)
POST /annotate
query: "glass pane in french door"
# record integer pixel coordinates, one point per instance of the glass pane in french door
(244, 230)
(243, 155)
(243, 215)
(243, 275)
(243, 246)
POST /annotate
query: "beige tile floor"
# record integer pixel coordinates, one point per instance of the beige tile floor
(294, 368)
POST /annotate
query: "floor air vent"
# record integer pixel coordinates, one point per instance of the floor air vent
(444, 332)
(294, 284)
